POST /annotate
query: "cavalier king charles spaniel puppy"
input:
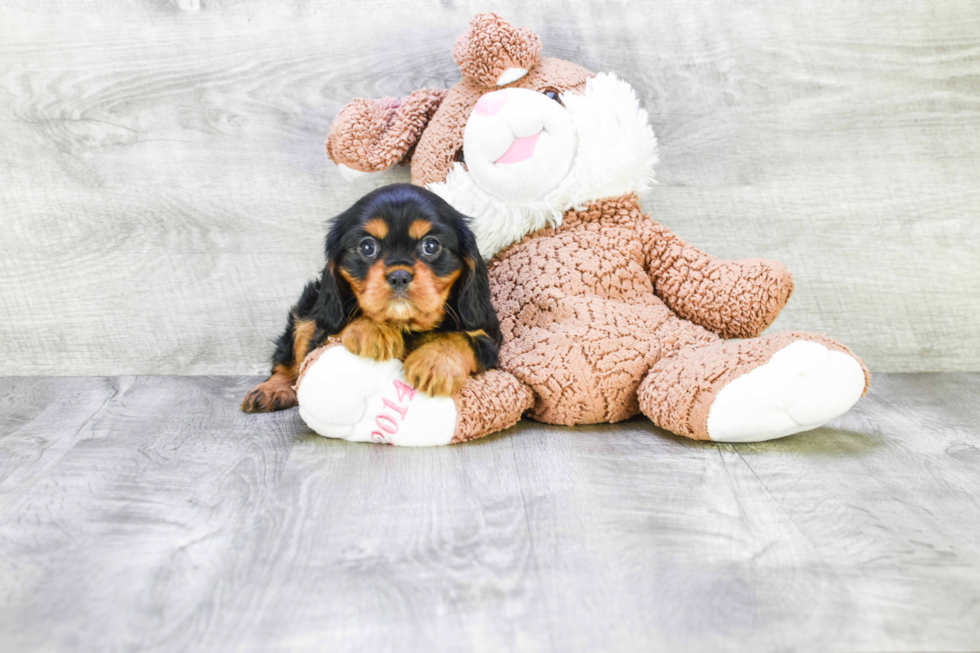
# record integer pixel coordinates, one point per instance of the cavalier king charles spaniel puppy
(403, 279)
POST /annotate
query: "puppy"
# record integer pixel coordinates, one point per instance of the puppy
(403, 279)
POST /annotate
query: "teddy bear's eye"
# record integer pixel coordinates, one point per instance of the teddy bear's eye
(459, 156)
(552, 94)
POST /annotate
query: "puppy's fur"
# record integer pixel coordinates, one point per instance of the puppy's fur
(403, 279)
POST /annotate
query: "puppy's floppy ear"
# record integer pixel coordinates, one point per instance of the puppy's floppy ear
(329, 310)
(335, 297)
(471, 295)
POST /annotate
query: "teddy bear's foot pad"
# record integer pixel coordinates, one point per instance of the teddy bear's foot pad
(803, 386)
(345, 396)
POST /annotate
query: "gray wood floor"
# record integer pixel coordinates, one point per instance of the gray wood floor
(148, 513)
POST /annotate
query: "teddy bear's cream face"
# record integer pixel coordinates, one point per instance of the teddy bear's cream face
(519, 144)
(595, 143)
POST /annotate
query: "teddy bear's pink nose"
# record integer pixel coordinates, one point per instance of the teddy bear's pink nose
(491, 103)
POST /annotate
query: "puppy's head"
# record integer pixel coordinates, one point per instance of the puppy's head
(409, 260)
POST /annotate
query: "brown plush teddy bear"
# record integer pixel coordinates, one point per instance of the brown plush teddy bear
(604, 312)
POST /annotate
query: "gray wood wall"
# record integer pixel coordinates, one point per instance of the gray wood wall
(163, 184)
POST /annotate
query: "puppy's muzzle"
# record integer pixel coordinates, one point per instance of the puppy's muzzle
(399, 279)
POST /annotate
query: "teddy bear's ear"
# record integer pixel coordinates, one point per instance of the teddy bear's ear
(494, 52)
(373, 135)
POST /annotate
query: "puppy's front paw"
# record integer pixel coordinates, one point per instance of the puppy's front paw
(269, 396)
(439, 368)
(365, 338)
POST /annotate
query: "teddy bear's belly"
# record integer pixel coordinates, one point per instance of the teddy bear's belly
(587, 261)
(582, 328)
(585, 357)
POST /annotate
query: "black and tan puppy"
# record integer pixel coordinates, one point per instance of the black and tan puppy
(403, 279)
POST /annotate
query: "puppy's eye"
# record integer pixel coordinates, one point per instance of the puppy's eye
(368, 248)
(552, 94)
(459, 156)
(431, 247)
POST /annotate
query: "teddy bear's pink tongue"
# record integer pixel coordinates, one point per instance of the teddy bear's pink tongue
(519, 150)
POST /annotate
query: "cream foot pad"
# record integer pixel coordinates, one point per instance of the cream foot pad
(345, 396)
(803, 386)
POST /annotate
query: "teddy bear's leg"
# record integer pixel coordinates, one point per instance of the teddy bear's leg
(755, 389)
(488, 403)
(342, 395)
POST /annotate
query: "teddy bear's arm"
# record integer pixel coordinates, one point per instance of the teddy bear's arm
(735, 299)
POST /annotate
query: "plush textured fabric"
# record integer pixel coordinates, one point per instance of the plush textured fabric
(615, 153)
(442, 139)
(588, 308)
(313, 357)
(678, 393)
(604, 312)
(735, 299)
(489, 403)
(490, 46)
(373, 135)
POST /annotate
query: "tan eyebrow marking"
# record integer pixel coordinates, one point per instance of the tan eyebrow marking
(377, 228)
(419, 228)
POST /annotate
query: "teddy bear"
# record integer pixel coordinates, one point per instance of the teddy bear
(604, 312)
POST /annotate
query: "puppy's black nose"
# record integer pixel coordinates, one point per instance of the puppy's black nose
(399, 279)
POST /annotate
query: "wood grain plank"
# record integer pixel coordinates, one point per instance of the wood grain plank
(40, 419)
(891, 500)
(177, 523)
(671, 543)
(387, 549)
(118, 545)
(165, 185)
(174, 522)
